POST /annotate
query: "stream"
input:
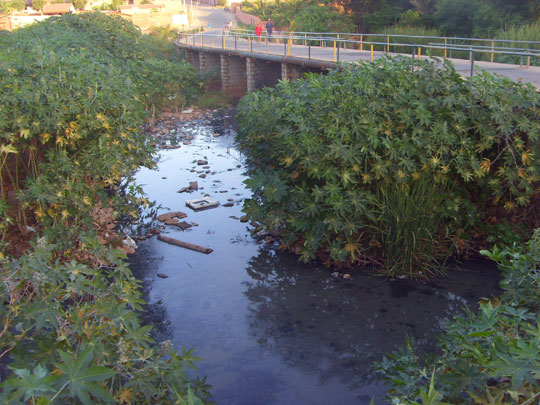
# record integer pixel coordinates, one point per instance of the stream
(269, 329)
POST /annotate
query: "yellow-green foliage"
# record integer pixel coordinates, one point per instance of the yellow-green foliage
(324, 150)
(74, 96)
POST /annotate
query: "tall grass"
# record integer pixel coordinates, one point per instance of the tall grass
(408, 30)
(408, 224)
(527, 32)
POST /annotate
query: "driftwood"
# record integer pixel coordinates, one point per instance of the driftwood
(186, 245)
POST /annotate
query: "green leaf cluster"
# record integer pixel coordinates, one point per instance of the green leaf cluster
(76, 93)
(392, 158)
(70, 331)
(487, 357)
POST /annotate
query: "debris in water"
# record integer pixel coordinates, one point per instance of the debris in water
(162, 275)
(185, 245)
(347, 276)
(229, 204)
(202, 176)
(202, 162)
(202, 203)
(184, 225)
(244, 218)
(171, 215)
(193, 185)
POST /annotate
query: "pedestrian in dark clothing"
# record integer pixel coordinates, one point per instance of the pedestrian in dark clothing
(269, 27)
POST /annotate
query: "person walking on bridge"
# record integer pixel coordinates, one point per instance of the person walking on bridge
(258, 31)
(269, 27)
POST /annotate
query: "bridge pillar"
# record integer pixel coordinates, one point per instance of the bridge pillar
(233, 75)
(253, 72)
(291, 72)
(193, 58)
(262, 73)
(209, 62)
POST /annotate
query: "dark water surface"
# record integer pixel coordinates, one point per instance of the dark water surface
(271, 330)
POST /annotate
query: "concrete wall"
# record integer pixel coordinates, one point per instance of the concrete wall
(233, 75)
(242, 17)
(193, 58)
(209, 62)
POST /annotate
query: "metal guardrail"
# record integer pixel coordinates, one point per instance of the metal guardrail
(288, 39)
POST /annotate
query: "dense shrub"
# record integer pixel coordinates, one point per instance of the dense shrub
(490, 356)
(76, 92)
(333, 158)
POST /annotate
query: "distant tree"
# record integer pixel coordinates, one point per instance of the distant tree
(79, 4)
(373, 15)
(456, 17)
(38, 4)
(317, 18)
(424, 6)
(7, 7)
(488, 20)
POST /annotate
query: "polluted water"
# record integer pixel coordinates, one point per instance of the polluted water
(269, 329)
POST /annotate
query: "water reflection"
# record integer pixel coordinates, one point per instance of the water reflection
(269, 329)
(337, 328)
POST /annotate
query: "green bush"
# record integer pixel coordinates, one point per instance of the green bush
(76, 91)
(38, 4)
(486, 357)
(323, 150)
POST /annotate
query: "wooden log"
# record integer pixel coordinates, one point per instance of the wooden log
(186, 245)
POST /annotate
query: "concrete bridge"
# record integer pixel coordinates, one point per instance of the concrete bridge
(245, 63)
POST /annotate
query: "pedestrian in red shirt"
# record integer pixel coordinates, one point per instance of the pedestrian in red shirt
(258, 31)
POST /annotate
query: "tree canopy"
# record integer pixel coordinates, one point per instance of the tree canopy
(450, 17)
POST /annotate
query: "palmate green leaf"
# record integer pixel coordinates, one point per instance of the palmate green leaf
(518, 370)
(32, 383)
(190, 399)
(82, 379)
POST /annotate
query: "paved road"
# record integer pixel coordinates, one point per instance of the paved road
(217, 17)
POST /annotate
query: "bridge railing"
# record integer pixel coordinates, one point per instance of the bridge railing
(395, 43)
(287, 44)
